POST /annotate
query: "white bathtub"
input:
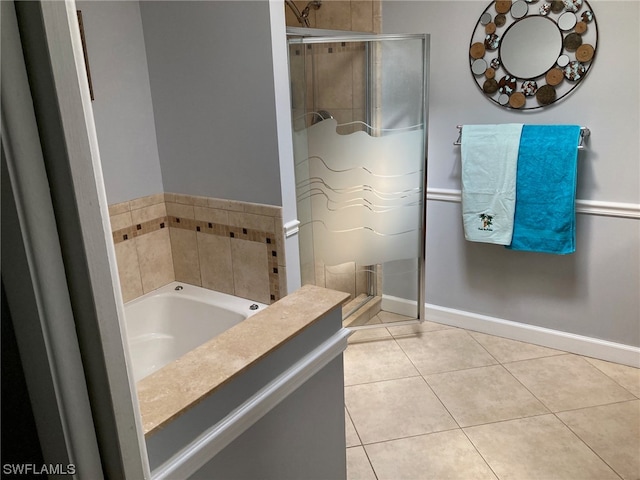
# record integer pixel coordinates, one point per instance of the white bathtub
(165, 324)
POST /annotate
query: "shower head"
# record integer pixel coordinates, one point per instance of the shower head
(315, 4)
(303, 16)
(319, 116)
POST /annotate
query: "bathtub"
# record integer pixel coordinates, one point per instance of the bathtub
(165, 324)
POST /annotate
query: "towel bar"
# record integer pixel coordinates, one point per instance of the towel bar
(584, 133)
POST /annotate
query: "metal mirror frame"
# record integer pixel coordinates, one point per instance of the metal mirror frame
(578, 50)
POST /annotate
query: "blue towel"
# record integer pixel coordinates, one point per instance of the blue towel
(545, 218)
(489, 164)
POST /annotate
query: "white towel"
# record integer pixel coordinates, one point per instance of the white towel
(489, 166)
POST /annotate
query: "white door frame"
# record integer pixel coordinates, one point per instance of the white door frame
(58, 258)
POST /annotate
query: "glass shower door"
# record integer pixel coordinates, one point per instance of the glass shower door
(359, 121)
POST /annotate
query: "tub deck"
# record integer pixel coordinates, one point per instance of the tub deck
(171, 321)
(171, 391)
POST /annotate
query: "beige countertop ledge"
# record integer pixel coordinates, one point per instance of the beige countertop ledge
(174, 389)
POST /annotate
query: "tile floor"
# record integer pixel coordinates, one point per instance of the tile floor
(436, 402)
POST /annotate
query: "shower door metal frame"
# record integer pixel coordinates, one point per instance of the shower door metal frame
(308, 36)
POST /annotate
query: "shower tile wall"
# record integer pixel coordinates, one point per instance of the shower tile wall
(356, 15)
(339, 83)
(228, 246)
(338, 78)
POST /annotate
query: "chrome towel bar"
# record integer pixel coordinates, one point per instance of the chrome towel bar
(584, 133)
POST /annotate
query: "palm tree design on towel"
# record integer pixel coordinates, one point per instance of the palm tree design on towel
(487, 221)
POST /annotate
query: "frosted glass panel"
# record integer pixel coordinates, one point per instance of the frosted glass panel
(359, 128)
(364, 193)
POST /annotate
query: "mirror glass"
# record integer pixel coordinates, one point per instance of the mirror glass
(530, 47)
(526, 55)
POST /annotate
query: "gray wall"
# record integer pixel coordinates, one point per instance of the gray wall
(593, 292)
(122, 107)
(210, 67)
(301, 438)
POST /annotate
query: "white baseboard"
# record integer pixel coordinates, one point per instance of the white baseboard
(398, 305)
(546, 337)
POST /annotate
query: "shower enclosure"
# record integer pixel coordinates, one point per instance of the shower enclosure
(359, 109)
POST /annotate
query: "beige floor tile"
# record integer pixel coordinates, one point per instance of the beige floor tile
(390, 317)
(444, 455)
(613, 432)
(537, 448)
(628, 377)
(395, 409)
(444, 350)
(358, 466)
(418, 329)
(567, 382)
(484, 395)
(505, 350)
(350, 431)
(368, 334)
(374, 361)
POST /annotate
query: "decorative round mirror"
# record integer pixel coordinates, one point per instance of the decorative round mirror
(528, 54)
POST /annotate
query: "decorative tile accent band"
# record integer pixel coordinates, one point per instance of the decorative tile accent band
(210, 228)
(225, 268)
(139, 229)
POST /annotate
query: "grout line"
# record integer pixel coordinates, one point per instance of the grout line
(441, 402)
(464, 369)
(527, 388)
(483, 347)
(354, 426)
(380, 381)
(596, 406)
(480, 453)
(361, 442)
(560, 354)
(586, 444)
(508, 420)
(198, 255)
(609, 376)
(370, 462)
(435, 432)
(501, 364)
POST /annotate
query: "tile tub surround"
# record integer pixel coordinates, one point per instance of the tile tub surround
(355, 15)
(171, 391)
(229, 246)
